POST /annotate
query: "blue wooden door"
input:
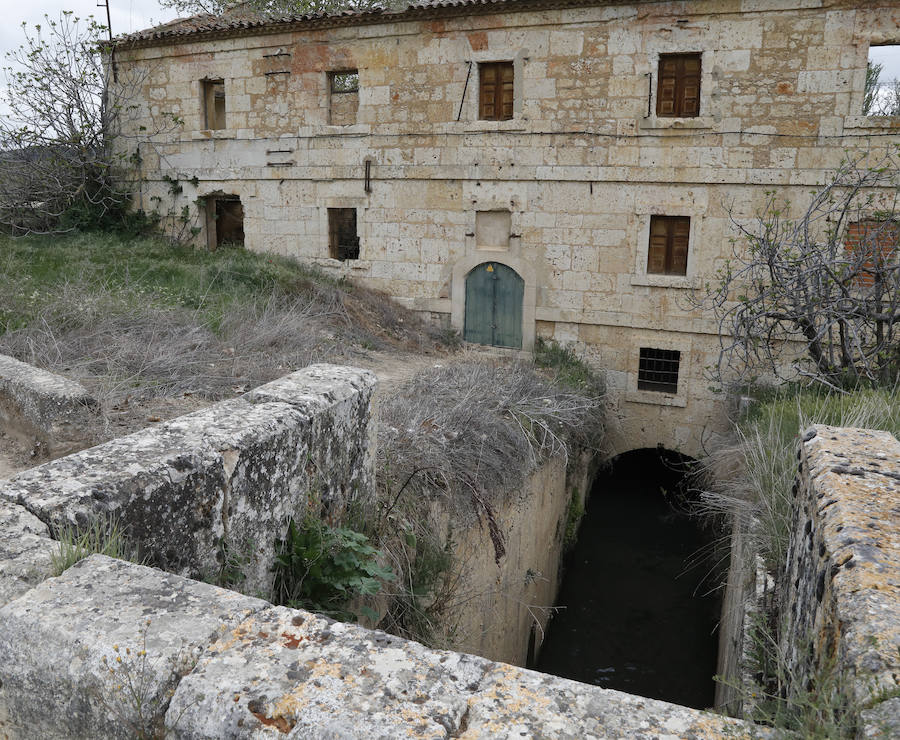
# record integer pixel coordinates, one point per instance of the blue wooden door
(494, 295)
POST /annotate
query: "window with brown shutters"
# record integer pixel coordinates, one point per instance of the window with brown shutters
(496, 91)
(678, 91)
(668, 250)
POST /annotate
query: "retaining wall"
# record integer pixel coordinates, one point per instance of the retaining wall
(223, 480)
(840, 594)
(44, 411)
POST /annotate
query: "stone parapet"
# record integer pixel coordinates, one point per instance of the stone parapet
(41, 408)
(223, 480)
(840, 593)
(239, 667)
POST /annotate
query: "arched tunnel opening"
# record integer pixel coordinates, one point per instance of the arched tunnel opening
(638, 608)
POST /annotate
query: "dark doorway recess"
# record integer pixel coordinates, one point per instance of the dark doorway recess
(637, 616)
(343, 240)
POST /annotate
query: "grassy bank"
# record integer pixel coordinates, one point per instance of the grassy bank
(143, 317)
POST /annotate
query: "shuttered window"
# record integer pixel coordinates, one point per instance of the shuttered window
(496, 93)
(668, 250)
(678, 92)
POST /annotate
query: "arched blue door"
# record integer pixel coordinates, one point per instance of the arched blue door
(494, 295)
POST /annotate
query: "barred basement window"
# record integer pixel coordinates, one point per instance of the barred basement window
(496, 91)
(213, 99)
(667, 253)
(678, 90)
(658, 370)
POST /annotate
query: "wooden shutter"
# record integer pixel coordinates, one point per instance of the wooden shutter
(496, 93)
(678, 90)
(667, 253)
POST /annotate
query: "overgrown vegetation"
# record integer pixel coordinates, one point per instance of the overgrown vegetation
(460, 438)
(99, 537)
(143, 318)
(751, 493)
(328, 570)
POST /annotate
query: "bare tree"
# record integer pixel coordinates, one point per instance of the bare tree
(274, 8)
(818, 295)
(59, 169)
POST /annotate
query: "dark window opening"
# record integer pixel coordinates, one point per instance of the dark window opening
(224, 221)
(678, 91)
(343, 88)
(658, 370)
(667, 253)
(213, 93)
(343, 241)
(496, 94)
(882, 92)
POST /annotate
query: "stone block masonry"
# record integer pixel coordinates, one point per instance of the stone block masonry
(42, 409)
(224, 479)
(238, 667)
(840, 594)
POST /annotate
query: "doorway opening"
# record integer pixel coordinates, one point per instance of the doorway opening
(493, 315)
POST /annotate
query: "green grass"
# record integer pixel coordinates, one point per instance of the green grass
(104, 538)
(147, 271)
(567, 368)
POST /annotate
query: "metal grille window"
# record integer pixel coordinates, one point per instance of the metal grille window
(658, 370)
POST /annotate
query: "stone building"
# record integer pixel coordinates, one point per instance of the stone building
(567, 169)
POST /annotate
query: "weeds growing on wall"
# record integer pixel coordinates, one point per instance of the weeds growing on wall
(328, 570)
(100, 537)
(753, 477)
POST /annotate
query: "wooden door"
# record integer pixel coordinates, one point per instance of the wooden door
(494, 294)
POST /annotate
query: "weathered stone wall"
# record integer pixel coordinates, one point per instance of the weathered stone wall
(499, 604)
(46, 412)
(580, 168)
(223, 480)
(840, 593)
(210, 663)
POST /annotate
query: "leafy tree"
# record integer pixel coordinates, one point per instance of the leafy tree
(881, 98)
(819, 295)
(59, 169)
(873, 73)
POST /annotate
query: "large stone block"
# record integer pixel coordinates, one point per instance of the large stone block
(96, 652)
(25, 551)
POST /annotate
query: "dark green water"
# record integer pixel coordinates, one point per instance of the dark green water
(636, 617)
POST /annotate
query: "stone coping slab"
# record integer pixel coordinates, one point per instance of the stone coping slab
(288, 673)
(71, 662)
(227, 477)
(43, 406)
(25, 551)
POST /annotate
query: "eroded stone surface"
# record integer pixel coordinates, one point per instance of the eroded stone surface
(227, 477)
(25, 550)
(286, 672)
(46, 408)
(843, 575)
(67, 646)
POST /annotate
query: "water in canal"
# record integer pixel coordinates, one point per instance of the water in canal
(636, 616)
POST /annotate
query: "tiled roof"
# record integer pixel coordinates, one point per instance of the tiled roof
(240, 19)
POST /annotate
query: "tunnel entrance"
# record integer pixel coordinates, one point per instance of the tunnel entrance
(638, 613)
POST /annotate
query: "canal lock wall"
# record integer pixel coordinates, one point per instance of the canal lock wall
(110, 648)
(837, 602)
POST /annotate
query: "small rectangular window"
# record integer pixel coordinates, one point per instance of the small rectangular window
(343, 241)
(496, 93)
(343, 88)
(667, 253)
(658, 370)
(678, 90)
(872, 249)
(213, 92)
(882, 95)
